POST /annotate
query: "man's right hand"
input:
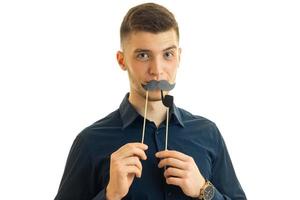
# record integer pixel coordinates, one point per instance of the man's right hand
(125, 164)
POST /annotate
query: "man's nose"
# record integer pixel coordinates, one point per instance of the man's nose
(156, 68)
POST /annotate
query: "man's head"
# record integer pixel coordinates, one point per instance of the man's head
(148, 17)
(150, 47)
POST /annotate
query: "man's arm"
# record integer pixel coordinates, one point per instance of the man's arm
(183, 172)
(223, 175)
(77, 182)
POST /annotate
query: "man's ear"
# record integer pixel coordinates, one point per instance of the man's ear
(121, 60)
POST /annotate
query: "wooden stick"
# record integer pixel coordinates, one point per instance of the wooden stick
(167, 130)
(145, 117)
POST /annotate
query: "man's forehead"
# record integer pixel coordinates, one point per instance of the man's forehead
(151, 41)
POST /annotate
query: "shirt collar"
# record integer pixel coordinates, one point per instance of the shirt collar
(129, 114)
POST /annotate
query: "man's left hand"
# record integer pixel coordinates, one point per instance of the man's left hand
(181, 170)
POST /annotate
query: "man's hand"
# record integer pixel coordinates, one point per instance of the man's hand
(125, 164)
(181, 171)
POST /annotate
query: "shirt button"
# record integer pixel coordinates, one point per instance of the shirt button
(169, 194)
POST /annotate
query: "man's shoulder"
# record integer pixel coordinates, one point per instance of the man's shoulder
(188, 117)
(200, 125)
(109, 122)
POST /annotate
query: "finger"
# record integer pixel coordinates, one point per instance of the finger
(131, 149)
(133, 170)
(133, 161)
(172, 162)
(175, 172)
(174, 181)
(139, 145)
(172, 154)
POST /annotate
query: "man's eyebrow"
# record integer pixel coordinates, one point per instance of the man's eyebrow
(141, 50)
(171, 47)
(147, 50)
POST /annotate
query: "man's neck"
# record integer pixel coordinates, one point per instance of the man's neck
(156, 111)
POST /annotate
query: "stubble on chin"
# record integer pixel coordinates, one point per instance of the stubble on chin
(154, 99)
(153, 96)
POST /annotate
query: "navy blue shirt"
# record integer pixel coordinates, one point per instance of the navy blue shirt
(86, 173)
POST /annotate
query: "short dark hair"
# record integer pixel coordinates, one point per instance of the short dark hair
(148, 17)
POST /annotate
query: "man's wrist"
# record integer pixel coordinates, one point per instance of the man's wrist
(207, 191)
(202, 184)
(111, 195)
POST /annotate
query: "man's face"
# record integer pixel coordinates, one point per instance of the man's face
(148, 56)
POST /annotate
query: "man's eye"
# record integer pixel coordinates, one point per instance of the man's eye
(168, 55)
(142, 56)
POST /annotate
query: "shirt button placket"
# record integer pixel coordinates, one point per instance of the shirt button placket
(158, 140)
(169, 195)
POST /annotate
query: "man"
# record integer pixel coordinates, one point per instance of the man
(108, 160)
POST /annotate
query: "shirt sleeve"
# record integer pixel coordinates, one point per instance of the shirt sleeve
(78, 181)
(223, 177)
(101, 195)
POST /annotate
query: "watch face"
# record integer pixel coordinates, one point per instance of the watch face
(209, 192)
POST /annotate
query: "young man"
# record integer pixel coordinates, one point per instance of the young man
(108, 160)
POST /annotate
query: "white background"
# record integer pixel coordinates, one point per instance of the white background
(58, 74)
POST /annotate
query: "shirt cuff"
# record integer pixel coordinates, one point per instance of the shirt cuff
(218, 195)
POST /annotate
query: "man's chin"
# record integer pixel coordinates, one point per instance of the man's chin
(153, 99)
(154, 95)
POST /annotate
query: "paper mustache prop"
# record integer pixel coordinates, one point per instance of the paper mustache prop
(162, 85)
(158, 85)
(167, 100)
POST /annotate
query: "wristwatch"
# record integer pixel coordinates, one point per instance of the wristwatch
(207, 191)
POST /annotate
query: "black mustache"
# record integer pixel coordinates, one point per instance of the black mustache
(158, 85)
